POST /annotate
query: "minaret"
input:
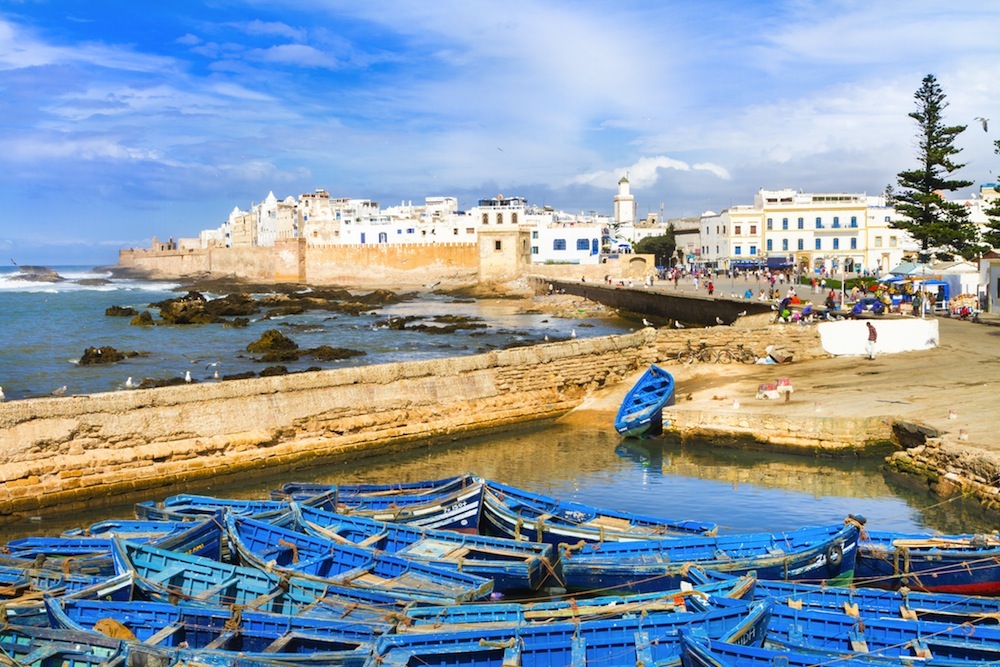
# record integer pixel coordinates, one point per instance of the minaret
(624, 204)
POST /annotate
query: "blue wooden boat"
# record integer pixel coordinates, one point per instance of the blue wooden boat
(187, 507)
(303, 490)
(128, 529)
(29, 646)
(822, 554)
(691, 598)
(865, 602)
(521, 515)
(963, 564)
(92, 555)
(625, 640)
(167, 576)
(698, 651)
(512, 566)
(23, 604)
(267, 546)
(809, 630)
(641, 411)
(235, 633)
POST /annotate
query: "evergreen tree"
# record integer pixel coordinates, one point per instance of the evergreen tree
(941, 227)
(992, 233)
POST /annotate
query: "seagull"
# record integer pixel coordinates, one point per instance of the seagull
(2, 397)
(546, 337)
(678, 325)
(646, 323)
(572, 334)
(984, 122)
(213, 364)
(128, 383)
(187, 376)
(215, 376)
(433, 285)
(742, 313)
(718, 320)
(60, 391)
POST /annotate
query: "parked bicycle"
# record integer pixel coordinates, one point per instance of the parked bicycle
(740, 354)
(691, 354)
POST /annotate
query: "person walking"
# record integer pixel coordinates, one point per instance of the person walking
(872, 338)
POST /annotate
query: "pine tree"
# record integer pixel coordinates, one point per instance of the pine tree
(991, 234)
(941, 227)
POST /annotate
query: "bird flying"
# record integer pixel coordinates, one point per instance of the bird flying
(984, 122)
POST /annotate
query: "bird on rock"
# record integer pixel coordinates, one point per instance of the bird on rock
(187, 376)
(646, 323)
(2, 397)
(128, 383)
(60, 391)
(678, 325)
(572, 334)
(742, 313)
(718, 320)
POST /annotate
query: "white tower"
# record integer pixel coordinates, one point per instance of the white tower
(624, 204)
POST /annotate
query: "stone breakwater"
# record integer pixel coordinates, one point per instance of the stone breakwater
(57, 453)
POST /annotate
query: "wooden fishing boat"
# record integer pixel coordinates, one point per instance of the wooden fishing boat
(167, 576)
(520, 515)
(286, 551)
(963, 564)
(512, 566)
(809, 630)
(822, 554)
(641, 411)
(303, 490)
(187, 506)
(92, 555)
(240, 633)
(864, 602)
(22, 604)
(129, 529)
(693, 598)
(697, 651)
(29, 646)
(640, 639)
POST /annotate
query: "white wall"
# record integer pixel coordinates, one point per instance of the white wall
(851, 336)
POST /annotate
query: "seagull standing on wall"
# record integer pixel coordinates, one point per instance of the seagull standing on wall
(646, 323)
(2, 397)
(128, 383)
(187, 376)
(60, 391)
(718, 320)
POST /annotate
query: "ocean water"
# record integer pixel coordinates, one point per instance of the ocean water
(45, 328)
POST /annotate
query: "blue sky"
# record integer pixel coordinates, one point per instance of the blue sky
(122, 120)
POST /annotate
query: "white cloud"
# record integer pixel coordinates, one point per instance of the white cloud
(301, 55)
(644, 173)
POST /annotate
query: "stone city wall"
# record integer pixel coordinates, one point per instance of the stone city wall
(57, 453)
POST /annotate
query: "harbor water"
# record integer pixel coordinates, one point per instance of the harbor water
(46, 327)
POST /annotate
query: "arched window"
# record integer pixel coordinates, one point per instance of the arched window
(486, 218)
(513, 218)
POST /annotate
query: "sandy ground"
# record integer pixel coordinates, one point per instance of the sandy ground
(952, 388)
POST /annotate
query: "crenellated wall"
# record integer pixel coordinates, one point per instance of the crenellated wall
(61, 452)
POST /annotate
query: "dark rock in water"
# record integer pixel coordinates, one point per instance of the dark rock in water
(275, 356)
(232, 305)
(120, 311)
(143, 319)
(150, 383)
(92, 282)
(327, 353)
(190, 297)
(284, 311)
(271, 371)
(238, 323)
(246, 375)
(104, 355)
(272, 340)
(380, 297)
(37, 274)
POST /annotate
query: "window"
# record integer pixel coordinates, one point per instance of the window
(784, 223)
(559, 244)
(486, 218)
(819, 245)
(784, 244)
(769, 244)
(409, 230)
(534, 250)
(878, 241)
(470, 230)
(802, 244)
(362, 237)
(819, 223)
(887, 218)
(454, 231)
(769, 225)
(534, 233)
(499, 218)
(498, 245)
(753, 250)
(753, 230)
(836, 243)
(399, 231)
(836, 221)
(802, 223)
(582, 244)
(513, 218)
(854, 221)
(736, 230)
(892, 241)
(854, 243)
(737, 250)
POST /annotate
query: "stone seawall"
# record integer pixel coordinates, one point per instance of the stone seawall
(62, 452)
